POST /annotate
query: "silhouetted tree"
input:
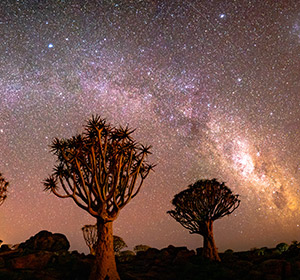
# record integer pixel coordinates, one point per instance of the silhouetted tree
(101, 169)
(197, 207)
(282, 247)
(3, 189)
(90, 238)
(119, 244)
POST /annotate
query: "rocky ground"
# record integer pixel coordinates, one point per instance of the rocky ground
(46, 256)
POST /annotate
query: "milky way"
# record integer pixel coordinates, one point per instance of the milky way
(213, 86)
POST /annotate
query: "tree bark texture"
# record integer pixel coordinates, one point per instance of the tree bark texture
(209, 247)
(105, 267)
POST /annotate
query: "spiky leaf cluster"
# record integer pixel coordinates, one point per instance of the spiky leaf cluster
(203, 201)
(3, 189)
(101, 169)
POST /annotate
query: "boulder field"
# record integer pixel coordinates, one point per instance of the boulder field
(46, 256)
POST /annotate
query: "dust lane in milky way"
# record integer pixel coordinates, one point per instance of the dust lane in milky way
(213, 86)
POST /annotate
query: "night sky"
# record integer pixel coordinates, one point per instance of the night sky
(213, 86)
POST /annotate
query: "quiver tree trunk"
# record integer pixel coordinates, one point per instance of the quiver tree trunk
(92, 251)
(105, 264)
(209, 247)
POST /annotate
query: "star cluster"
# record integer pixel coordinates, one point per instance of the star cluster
(213, 86)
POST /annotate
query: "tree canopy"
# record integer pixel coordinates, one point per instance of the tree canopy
(197, 207)
(99, 168)
(119, 244)
(202, 201)
(90, 237)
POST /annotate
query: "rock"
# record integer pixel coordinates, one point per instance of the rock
(297, 265)
(199, 251)
(10, 254)
(228, 257)
(183, 256)
(242, 265)
(46, 241)
(255, 275)
(280, 268)
(126, 256)
(292, 252)
(141, 248)
(151, 253)
(73, 265)
(172, 250)
(164, 254)
(229, 252)
(272, 277)
(159, 273)
(165, 258)
(5, 248)
(36, 261)
(44, 256)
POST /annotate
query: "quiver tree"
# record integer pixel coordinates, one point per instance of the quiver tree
(90, 237)
(3, 189)
(101, 169)
(197, 207)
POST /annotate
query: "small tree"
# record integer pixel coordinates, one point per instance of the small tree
(197, 207)
(282, 247)
(101, 169)
(3, 189)
(119, 244)
(90, 238)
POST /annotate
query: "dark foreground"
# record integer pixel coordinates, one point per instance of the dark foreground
(46, 256)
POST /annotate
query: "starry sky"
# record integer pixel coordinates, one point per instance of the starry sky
(212, 85)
